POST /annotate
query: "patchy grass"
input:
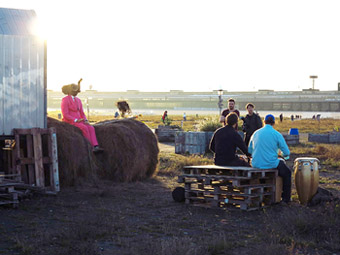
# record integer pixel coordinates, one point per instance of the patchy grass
(308, 125)
(171, 163)
(306, 229)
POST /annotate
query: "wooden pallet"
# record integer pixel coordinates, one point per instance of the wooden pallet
(242, 188)
(36, 157)
(8, 195)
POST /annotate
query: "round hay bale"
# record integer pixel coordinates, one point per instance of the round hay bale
(130, 150)
(76, 162)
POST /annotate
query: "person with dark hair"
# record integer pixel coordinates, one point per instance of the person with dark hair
(251, 122)
(225, 112)
(224, 143)
(264, 146)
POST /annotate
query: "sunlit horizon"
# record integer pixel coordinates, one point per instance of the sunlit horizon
(189, 45)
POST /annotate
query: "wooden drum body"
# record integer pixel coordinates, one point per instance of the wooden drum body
(306, 176)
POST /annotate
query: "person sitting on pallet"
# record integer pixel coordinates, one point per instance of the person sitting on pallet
(264, 146)
(72, 110)
(224, 143)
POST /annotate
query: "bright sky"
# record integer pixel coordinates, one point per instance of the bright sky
(191, 45)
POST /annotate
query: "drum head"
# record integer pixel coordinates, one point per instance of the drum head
(310, 160)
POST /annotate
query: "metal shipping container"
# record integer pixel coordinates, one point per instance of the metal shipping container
(23, 78)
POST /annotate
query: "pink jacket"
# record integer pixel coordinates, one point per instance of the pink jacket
(72, 110)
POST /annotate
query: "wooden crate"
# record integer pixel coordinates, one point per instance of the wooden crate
(36, 158)
(8, 194)
(242, 188)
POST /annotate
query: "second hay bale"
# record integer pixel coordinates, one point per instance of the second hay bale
(130, 150)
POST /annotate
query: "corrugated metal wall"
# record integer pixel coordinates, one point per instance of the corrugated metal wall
(22, 75)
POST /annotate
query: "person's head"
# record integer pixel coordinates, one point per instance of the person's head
(74, 90)
(231, 104)
(232, 119)
(71, 89)
(250, 108)
(269, 119)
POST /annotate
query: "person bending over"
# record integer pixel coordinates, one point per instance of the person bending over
(72, 110)
(224, 143)
(264, 146)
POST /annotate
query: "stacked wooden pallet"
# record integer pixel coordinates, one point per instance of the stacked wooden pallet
(31, 165)
(242, 188)
(36, 157)
(8, 194)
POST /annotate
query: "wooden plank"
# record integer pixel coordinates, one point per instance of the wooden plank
(17, 155)
(53, 154)
(29, 142)
(29, 131)
(38, 155)
(31, 161)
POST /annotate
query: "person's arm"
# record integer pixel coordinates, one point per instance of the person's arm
(259, 122)
(283, 146)
(212, 144)
(65, 110)
(82, 114)
(223, 115)
(240, 143)
(250, 146)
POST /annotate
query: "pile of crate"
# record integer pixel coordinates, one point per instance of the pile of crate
(8, 194)
(31, 165)
(242, 188)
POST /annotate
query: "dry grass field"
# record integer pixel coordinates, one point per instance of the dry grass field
(103, 217)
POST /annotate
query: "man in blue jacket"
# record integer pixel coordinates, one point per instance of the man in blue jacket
(264, 146)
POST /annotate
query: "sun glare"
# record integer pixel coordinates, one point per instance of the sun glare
(39, 29)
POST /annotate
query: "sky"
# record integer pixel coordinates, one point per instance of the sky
(190, 45)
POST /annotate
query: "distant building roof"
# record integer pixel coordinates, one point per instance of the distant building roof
(16, 21)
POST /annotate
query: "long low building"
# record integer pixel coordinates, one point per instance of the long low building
(306, 100)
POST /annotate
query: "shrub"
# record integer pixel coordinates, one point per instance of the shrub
(209, 125)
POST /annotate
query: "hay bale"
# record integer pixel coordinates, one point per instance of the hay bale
(130, 150)
(75, 158)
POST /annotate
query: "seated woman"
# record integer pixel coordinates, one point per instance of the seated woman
(224, 143)
(72, 110)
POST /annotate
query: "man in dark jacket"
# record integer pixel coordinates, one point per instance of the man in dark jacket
(251, 123)
(224, 143)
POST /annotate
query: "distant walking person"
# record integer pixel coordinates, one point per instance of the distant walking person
(251, 123)
(281, 117)
(224, 143)
(264, 146)
(165, 117)
(184, 117)
(225, 112)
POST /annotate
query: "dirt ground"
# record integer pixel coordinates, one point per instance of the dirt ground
(142, 218)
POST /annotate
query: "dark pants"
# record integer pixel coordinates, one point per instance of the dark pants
(286, 175)
(247, 139)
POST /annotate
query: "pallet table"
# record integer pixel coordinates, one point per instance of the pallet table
(242, 188)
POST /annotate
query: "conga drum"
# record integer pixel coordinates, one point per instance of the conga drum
(306, 176)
